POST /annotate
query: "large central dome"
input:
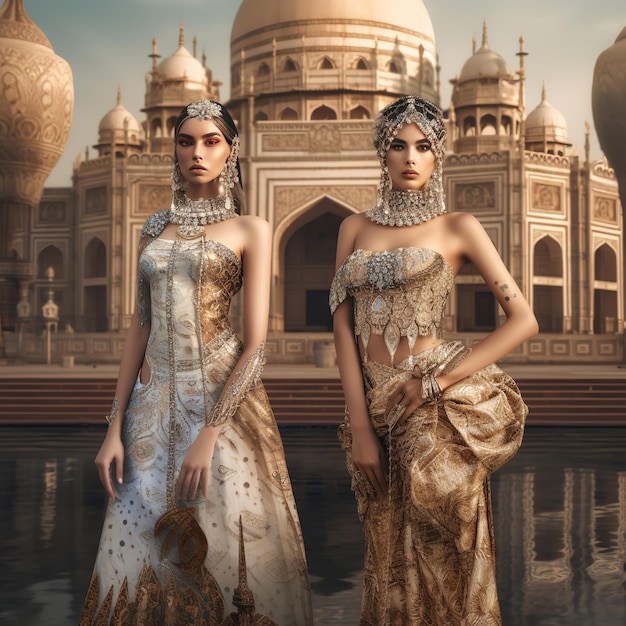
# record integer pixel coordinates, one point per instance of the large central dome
(331, 59)
(255, 15)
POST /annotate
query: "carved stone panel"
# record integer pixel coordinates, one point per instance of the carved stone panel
(605, 209)
(52, 213)
(287, 199)
(317, 138)
(153, 198)
(96, 201)
(285, 142)
(546, 197)
(472, 197)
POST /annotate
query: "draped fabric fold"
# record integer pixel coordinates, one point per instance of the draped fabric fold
(429, 546)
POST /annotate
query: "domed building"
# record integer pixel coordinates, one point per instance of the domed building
(554, 216)
(546, 129)
(119, 131)
(306, 81)
(486, 101)
(178, 79)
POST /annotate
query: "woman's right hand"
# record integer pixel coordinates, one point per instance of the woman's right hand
(111, 453)
(369, 458)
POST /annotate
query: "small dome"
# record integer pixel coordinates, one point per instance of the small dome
(120, 124)
(484, 63)
(118, 117)
(546, 123)
(182, 65)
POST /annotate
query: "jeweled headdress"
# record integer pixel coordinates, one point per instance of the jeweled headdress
(397, 208)
(407, 110)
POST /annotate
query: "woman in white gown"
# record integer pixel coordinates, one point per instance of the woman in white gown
(192, 443)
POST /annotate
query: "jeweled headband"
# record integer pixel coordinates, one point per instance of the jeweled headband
(203, 110)
(407, 110)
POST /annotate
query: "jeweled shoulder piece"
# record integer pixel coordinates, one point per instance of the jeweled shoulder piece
(156, 223)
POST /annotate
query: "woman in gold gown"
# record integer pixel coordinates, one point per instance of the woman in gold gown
(192, 445)
(427, 420)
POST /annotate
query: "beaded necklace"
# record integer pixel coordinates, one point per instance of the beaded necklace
(193, 215)
(407, 208)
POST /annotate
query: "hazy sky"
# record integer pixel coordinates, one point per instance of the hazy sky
(107, 43)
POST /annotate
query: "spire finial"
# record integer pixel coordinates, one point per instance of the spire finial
(181, 36)
(485, 36)
(474, 43)
(155, 55)
(543, 91)
(242, 596)
(119, 94)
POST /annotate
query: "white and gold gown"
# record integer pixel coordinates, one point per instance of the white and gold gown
(430, 556)
(143, 577)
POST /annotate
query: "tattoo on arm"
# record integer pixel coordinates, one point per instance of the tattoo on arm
(506, 291)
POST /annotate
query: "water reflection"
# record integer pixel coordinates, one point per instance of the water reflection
(559, 506)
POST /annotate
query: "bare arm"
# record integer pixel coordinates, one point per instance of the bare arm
(112, 451)
(367, 453)
(520, 323)
(256, 257)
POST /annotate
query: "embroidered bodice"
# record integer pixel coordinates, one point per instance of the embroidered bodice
(190, 286)
(397, 293)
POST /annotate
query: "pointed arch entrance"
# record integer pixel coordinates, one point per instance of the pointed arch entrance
(307, 266)
(548, 285)
(605, 309)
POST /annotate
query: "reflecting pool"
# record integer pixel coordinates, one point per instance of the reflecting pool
(559, 506)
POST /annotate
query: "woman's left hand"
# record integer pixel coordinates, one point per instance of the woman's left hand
(404, 400)
(196, 468)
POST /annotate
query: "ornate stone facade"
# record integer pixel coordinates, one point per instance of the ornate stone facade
(304, 90)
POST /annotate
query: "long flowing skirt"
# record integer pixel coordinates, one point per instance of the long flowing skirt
(143, 576)
(429, 545)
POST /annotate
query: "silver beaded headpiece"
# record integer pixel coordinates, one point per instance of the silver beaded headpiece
(387, 124)
(407, 110)
(204, 110)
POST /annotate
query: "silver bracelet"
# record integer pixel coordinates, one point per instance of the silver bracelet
(431, 391)
(112, 416)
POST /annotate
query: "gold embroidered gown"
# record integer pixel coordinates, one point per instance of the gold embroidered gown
(143, 579)
(430, 556)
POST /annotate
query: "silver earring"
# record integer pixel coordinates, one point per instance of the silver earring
(178, 181)
(229, 176)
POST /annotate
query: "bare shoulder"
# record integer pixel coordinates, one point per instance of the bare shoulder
(462, 223)
(466, 229)
(352, 224)
(253, 225)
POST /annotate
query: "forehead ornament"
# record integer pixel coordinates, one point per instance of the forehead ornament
(204, 110)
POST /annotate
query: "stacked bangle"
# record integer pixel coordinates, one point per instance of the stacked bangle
(431, 391)
(112, 416)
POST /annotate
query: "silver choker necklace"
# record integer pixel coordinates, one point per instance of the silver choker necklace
(193, 215)
(407, 208)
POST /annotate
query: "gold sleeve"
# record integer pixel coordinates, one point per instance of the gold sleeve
(242, 381)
